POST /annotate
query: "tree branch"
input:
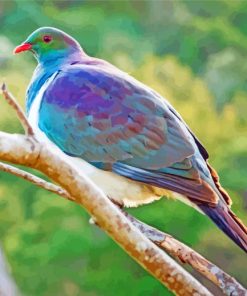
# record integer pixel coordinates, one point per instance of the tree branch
(35, 180)
(19, 112)
(163, 240)
(185, 254)
(27, 151)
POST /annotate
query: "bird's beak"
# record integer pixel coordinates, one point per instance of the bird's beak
(22, 47)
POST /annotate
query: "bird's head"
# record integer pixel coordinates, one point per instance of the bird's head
(50, 44)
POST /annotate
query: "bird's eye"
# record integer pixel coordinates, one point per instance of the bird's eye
(47, 38)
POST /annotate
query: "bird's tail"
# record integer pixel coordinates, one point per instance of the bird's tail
(214, 202)
(228, 222)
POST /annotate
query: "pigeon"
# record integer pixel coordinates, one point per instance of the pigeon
(122, 134)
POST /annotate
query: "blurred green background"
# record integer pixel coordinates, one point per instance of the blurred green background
(193, 53)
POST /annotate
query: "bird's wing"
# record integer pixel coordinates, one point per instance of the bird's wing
(104, 116)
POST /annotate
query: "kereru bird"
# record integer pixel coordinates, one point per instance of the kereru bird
(125, 136)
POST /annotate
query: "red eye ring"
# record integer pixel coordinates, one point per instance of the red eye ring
(47, 38)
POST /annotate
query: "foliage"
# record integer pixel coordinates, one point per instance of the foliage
(193, 53)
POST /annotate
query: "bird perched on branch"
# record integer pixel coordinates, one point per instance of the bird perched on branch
(122, 134)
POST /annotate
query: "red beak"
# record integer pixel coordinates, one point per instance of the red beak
(23, 47)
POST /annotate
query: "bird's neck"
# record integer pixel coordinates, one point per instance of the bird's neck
(55, 61)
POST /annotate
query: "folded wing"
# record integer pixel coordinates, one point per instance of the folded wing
(106, 117)
(91, 113)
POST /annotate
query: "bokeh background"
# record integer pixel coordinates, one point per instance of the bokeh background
(193, 53)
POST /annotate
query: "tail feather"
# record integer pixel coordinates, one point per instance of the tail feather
(228, 222)
(212, 200)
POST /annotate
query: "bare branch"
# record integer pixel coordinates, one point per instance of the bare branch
(163, 240)
(24, 150)
(20, 114)
(35, 180)
(185, 254)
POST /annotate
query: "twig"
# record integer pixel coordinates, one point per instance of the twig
(35, 180)
(20, 114)
(185, 254)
